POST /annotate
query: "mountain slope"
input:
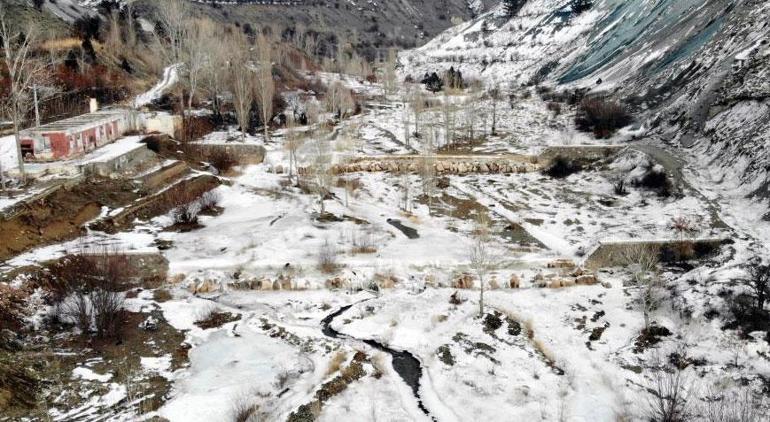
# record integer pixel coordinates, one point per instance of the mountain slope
(694, 72)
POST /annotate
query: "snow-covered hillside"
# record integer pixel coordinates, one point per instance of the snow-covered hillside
(694, 72)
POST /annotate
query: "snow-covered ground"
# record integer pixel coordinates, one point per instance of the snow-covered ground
(8, 157)
(558, 354)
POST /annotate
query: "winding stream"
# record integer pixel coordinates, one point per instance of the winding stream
(404, 363)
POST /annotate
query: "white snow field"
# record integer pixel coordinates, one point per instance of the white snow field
(554, 354)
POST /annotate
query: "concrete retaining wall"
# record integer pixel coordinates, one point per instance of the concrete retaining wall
(244, 153)
(121, 164)
(613, 254)
(162, 176)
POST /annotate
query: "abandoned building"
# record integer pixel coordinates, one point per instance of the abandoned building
(73, 137)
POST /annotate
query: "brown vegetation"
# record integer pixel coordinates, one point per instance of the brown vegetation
(601, 117)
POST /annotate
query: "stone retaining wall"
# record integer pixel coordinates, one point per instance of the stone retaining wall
(441, 165)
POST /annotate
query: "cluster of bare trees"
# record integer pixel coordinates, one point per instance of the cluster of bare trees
(19, 40)
(218, 59)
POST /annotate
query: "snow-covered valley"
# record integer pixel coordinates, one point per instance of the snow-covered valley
(568, 225)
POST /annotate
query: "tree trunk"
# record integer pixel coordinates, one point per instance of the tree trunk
(17, 138)
(481, 297)
(494, 119)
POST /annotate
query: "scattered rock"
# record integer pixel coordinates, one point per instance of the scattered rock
(492, 322)
(445, 355)
(463, 281)
(149, 324)
(455, 299)
(596, 333)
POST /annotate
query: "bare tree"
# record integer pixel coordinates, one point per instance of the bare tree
(669, 393)
(173, 16)
(742, 406)
(428, 166)
(321, 171)
(346, 145)
(241, 80)
(643, 262)
(196, 53)
(471, 114)
(293, 141)
(264, 83)
(214, 80)
(18, 38)
(390, 71)
(418, 105)
(480, 257)
(405, 113)
(448, 112)
(758, 283)
(494, 98)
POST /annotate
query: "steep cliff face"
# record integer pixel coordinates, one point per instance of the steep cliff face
(695, 72)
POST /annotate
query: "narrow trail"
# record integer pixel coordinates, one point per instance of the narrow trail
(673, 166)
(404, 363)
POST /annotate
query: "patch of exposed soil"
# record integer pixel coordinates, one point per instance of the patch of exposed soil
(217, 319)
(61, 215)
(650, 337)
(51, 356)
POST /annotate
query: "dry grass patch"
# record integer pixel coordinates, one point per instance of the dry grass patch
(336, 362)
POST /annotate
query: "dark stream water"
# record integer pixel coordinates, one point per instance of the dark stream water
(404, 363)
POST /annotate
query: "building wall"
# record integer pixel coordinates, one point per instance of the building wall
(78, 141)
(59, 144)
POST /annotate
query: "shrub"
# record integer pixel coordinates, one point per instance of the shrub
(327, 258)
(562, 167)
(209, 201)
(186, 214)
(554, 107)
(669, 392)
(185, 207)
(197, 127)
(243, 411)
(87, 288)
(657, 180)
(601, 117)
(12, 307)
(619, 187)
(336, 362)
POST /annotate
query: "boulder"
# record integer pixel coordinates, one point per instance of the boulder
(335, 283)
(586, 280)
(205, 286)
(265, 284)
(463, 281)
(285, 282)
